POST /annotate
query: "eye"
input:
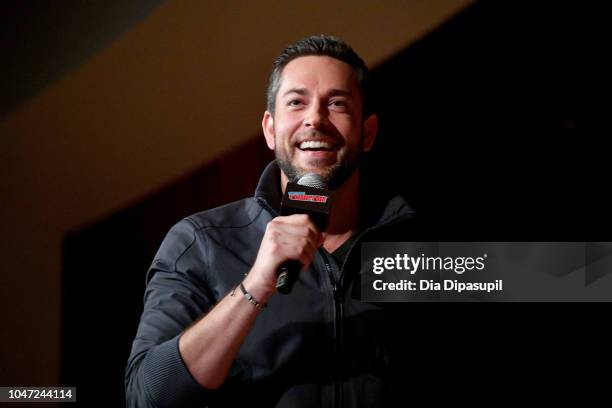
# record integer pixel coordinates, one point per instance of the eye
(340, 105)
(294, 102)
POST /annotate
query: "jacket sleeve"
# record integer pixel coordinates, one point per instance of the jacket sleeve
(175, 296)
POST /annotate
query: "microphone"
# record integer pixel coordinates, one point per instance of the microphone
(308, 196)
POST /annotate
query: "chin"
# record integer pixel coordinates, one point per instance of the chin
(321, 171)
(318, 166)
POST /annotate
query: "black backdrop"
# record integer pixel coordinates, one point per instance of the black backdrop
(490, 129)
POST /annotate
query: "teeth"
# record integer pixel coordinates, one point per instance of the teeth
(315, 144)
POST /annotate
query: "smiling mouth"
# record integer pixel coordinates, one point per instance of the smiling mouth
(316, 146)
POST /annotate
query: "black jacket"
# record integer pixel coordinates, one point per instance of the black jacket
(320, 346)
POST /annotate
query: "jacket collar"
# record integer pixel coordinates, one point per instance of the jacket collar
(268, 189)
(378, 207)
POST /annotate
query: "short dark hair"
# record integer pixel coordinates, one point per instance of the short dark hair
(324, 45)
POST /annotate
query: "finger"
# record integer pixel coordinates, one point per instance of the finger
(306, 256)
(291, 231)
(300, 249)
(299, 219)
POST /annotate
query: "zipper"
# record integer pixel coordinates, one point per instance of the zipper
(338, 332)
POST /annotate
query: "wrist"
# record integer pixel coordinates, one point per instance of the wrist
(260, 289)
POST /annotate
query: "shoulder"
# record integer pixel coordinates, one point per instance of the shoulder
(237, 214)
(191, 240)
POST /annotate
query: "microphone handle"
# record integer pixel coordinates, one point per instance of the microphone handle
(288, 274)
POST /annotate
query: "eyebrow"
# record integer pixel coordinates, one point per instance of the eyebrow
(332, 92)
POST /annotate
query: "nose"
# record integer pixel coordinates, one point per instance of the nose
(316, 116)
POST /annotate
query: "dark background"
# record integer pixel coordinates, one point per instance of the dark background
(492, 130)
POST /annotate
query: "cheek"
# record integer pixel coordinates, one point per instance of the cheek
(283, 140)
(353, 139)
(284, 132)
(348, 126)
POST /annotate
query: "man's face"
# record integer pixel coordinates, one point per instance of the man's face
(317, 125)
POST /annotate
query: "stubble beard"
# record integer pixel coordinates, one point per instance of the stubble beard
(335, 175)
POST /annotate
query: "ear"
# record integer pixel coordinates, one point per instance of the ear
(370, 130)
(267, 124)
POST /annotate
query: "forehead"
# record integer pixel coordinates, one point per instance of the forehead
(318, 73)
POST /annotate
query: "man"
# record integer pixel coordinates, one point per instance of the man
(204, 336)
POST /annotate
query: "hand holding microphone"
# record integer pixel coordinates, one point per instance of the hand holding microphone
(308, 196)
(292, 239)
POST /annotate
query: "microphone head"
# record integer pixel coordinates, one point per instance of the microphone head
(313, 180)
